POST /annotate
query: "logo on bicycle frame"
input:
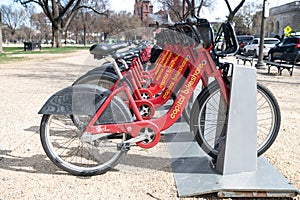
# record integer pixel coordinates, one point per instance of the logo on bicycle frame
(187, 89)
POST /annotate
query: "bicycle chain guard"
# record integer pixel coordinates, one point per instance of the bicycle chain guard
(151, 133)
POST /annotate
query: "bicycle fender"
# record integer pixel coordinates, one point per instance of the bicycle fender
(95, 74)
(77, 100)
(106, 67)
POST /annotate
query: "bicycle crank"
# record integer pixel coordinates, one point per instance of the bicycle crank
(146, 137)
(125, 146)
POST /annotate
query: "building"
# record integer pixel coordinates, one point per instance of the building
(282, 16)
(279, 18)
(143, 9)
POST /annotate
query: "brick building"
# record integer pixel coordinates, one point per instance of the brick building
(279, 18)
(143, 9)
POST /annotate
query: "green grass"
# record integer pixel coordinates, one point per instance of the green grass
(4, 58)
(9, 52)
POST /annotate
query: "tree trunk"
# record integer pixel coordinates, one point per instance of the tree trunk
(1, 49)
(56, 25)
(57, 36)
(84, 35)
(1, 39)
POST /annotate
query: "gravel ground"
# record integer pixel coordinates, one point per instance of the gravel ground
(26, 173)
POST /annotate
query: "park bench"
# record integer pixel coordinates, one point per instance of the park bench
(280, 66)
(245, 59)
(283, 64)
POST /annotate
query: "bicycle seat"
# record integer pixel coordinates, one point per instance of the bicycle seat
(128, 53)
(101, 50)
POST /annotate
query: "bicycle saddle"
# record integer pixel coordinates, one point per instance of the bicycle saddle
(101, 50)
(128, 53)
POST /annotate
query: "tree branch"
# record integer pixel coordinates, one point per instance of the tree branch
(228, 6)
(26, 2)
(232, 13)
(199, 8)
(94, 10)
(68, 6)
(73, 13)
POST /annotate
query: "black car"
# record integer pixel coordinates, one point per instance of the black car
(288, 50)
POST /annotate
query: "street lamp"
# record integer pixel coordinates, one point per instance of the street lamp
(260, 63)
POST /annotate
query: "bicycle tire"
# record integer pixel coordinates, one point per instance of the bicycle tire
(68, 160)
(62, 142)
(211, 148)
(103, 79)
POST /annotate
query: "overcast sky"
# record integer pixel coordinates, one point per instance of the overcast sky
(219, 11)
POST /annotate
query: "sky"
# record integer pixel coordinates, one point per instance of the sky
(220, 8)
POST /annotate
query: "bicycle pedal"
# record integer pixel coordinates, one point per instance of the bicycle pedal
(123, 146)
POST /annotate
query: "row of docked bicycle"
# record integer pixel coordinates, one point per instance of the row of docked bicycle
(86, 127)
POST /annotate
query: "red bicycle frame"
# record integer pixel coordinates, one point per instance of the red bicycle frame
(200, 65)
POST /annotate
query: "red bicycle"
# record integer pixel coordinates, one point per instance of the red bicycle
(86, 128)
(268, 113)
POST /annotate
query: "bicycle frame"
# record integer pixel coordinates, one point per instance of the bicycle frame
(167, 75)
(199, 66)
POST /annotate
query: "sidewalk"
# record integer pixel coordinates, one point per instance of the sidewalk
(27, 173)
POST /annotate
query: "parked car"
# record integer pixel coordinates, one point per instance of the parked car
(243, 40)
(288, 50)
(69, 41)
(253, 47)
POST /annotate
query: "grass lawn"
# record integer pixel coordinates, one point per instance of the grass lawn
(12, 54)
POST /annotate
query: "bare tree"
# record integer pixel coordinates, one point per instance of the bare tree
(244, 18)
(13, 18)
(62, 12)
(181, 10)
(28, 25)
(233, 12)
(88, 23)
(41, 23)
(174, 8)
(185, 8)
(118, 22)
(76, 27)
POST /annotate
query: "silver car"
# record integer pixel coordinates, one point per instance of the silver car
(253, 47)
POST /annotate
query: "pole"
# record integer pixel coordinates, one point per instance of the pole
(260, 63)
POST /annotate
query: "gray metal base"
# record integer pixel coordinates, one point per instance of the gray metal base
(194, 176)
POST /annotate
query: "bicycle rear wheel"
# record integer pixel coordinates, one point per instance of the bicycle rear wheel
(210, 132)
(63, 145)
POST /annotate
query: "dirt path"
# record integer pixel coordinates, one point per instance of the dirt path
(26, 173)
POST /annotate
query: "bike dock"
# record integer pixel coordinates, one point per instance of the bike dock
(237, 172)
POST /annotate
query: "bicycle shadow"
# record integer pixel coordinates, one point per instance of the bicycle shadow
(40, 164)
(141, 160)
(13, 160)
(36, 164)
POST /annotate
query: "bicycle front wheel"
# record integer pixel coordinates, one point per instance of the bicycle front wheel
(63, 145)
(209, 119)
